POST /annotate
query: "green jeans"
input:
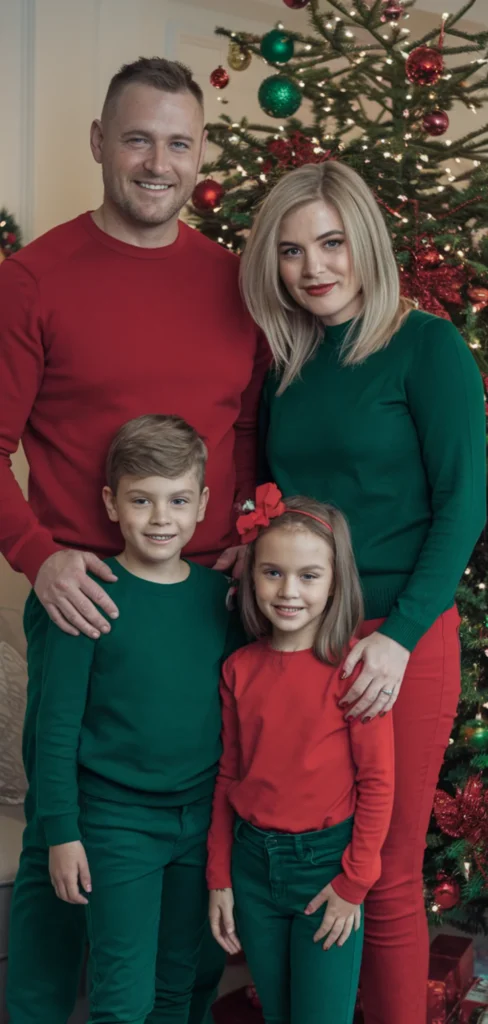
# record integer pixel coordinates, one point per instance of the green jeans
(135, 853)
(274, 876)
(47, 938)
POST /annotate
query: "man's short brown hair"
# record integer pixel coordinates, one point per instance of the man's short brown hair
(166, 75)
(156, 446)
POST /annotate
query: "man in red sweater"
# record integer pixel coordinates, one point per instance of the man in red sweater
(119, 312)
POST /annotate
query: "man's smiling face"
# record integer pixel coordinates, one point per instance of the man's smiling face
(150, 145)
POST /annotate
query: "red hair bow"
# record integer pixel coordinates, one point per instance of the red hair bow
(268, 506)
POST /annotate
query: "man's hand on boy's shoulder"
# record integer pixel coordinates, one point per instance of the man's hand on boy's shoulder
(69, 595)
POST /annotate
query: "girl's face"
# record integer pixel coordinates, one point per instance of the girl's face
(315, 263)
(293, 580)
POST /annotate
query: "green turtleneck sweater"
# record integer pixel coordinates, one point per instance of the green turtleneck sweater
(398, 444)
(135, 716)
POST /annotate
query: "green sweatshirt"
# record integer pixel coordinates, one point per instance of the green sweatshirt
(135, 716)
(398, 444)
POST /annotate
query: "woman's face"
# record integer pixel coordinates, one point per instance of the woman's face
(315, 263)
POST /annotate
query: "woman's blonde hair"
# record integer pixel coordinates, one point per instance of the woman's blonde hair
(344, 610)
(294, 333)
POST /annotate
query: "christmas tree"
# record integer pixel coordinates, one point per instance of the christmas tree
(352, 85)
(10, 236)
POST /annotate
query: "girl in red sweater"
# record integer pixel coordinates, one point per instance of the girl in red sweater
(303, 797)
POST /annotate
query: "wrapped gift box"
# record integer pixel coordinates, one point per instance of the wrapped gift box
(442, 989)
(459, 951)
(475, 999)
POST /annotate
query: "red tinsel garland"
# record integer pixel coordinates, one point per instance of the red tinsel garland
(465, 816)
(431, 288)
(294, 151)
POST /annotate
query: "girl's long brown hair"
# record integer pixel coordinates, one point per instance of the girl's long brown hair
(344, 611)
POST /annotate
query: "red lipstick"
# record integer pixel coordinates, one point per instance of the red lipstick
(320, 289)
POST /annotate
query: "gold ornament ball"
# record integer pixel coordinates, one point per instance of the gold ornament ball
(238, 58)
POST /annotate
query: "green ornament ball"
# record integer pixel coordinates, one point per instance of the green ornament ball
(279, 97)
(277, 47)
(475, 735)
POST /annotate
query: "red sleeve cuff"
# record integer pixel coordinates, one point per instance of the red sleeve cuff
(218, 877)
(28, 556)
(352, 892)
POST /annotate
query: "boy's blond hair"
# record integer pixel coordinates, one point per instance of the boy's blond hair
(344, 610)
(155, 445)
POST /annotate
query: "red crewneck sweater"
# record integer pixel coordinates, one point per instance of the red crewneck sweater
(291, 762)
(94, 332)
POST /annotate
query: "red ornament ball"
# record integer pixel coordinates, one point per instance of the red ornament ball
(220, 78)
(207, 194)
(436, 122)
(447, 893)
(424, 65)
(11, 238)
(393, 11)
(428, 257)
(296, 5)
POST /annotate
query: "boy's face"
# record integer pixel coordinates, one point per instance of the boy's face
(157, 516)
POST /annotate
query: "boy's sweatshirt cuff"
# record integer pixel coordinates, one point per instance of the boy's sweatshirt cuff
(61, 829)
(352, 892)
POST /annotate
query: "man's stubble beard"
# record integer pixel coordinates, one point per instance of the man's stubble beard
(132, 213)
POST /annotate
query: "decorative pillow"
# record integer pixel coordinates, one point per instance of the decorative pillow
(13, 689)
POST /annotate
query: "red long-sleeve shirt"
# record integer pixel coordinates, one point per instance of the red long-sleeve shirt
(292, 763)
(93, 332)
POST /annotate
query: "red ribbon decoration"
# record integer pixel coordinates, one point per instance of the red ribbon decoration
(269, 505)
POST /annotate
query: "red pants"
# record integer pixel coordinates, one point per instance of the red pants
(396, 951)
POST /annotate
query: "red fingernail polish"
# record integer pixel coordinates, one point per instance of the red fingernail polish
(366, 720)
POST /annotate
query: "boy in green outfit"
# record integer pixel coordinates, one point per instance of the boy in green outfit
(128, 735)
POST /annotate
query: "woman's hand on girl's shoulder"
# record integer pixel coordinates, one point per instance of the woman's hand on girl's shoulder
(339, 919)
(376, 689)
(221, 914)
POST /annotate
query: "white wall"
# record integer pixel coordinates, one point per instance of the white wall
(56, 59)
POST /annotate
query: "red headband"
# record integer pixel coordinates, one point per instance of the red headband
(268, 505)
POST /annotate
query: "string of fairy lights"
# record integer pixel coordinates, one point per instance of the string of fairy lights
(390, 152)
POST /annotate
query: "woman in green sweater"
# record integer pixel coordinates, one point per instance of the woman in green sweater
(378, 408)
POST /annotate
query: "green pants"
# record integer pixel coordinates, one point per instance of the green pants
(274, 876)
(47, 939)
(134, 854)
